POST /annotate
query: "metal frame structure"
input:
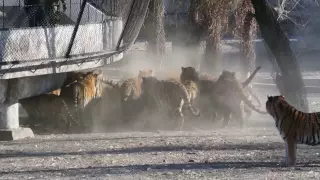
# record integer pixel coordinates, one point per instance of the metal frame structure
(68, 59)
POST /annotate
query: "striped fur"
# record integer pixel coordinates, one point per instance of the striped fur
(130, 90)
(228, 94)
(80, 93)
(207, 84)
(48, 109)
(71, 77)
(294, 126)
(167, 95)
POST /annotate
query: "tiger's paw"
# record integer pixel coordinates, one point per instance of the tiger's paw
(288, 163)
(198, 115)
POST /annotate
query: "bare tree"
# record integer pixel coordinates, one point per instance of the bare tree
(246, 30)
(279, 45)
(214, 16)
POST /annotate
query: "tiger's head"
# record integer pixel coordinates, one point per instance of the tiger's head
(189, 74)
(273, 103)
(228, 75)
(73, 77)
(146, 73)
(95, 78)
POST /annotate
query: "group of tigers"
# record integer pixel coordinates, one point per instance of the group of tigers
(172, 98)
(62, 108)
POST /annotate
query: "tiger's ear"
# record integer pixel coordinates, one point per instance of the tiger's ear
(281, 96)
(269, 97)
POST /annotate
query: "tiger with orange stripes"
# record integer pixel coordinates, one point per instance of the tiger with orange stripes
(80, 93)
(130, 91)
(71, 77)
(294, 126)
(169, 96)
(228, 94)
(210, 97)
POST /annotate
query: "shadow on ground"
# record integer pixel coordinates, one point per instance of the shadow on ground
(148, 149)
(134, 169)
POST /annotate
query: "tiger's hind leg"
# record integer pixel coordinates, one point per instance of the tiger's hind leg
(178, 116)
(226, 119)
(237, 115)
(247, 111)
(291, 152)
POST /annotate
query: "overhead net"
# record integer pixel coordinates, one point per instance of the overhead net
(36, 32)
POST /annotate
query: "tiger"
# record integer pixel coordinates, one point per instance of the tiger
(79, 93)
(294, 126)
(130, 90)
(167, 95)
(48, 109)
(227, 96)
(71, 77)
(206, 84)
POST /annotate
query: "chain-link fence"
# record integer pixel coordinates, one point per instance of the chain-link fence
(34, 32)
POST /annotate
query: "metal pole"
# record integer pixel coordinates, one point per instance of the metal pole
(3, 14)
(125, 26)
(75, 30)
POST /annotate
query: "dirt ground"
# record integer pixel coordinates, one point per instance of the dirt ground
(254, 152)
(250, 153)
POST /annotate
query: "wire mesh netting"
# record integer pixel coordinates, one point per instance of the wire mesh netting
(34, 32)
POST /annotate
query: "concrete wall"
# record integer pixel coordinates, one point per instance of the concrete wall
(18, 88)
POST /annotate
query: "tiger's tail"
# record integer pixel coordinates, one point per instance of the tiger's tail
(253, 95)
(114, 84)
(250, 78)
(249, 103)
(70, 116)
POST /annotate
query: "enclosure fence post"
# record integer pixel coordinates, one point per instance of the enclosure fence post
(125, 26)
(75, 30)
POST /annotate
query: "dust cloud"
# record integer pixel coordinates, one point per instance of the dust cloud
(107, 116)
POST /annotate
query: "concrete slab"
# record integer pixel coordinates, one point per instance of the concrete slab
(15, 134)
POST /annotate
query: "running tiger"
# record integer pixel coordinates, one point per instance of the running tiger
(130, 90)
(207, 85)
(228, 94)
(294, 126)
(167, 95)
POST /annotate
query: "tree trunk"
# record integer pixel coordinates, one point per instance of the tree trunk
(247, 48)
(211, 62)
(155, 30)
(279, 45)
(195, 32)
